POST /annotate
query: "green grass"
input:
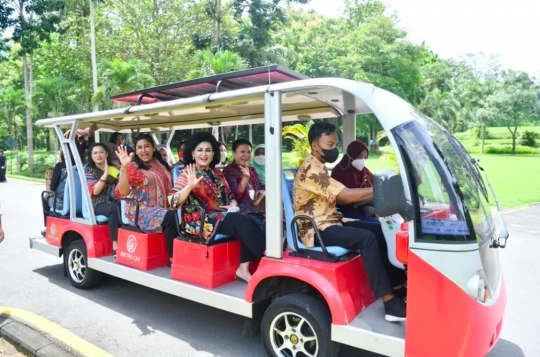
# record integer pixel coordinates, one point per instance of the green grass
(515, 179)
(27, 178)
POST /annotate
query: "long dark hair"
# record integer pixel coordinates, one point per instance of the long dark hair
(195, 140)
(114, 137)
(90, 161)
(156, 155)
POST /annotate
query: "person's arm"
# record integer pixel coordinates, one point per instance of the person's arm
(234, 184)
(96, 186)
(354, 195)
(185, 183)
(123, 186)
(244, 182)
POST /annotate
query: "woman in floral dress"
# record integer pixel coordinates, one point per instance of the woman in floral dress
(203, 185)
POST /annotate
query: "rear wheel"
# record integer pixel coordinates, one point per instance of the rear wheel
(298, 325)
(79, 274)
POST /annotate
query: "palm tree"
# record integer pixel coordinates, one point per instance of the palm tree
(120, 77)
(442, 107)
(206, 63)
(13, 104)
(298, 134)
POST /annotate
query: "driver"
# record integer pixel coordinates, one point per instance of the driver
(315, 194)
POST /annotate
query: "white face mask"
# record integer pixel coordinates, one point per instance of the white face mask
(359, 164)
(222, 156)
(259, 160)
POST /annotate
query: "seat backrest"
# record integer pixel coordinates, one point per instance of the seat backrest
(176, 172)
(78, 194)
(287, 185)
(65, 203)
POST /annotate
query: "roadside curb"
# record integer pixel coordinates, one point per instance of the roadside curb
(31, 341)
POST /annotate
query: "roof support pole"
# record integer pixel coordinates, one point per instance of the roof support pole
(274, 201)
(349, 130)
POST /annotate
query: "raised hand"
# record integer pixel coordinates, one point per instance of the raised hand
(123, 156)
(245, 171)
(191, 174)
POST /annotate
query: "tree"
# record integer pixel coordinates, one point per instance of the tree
(120, 77)
(514, 104)
(12, 104)
(205, 63)
(442, 107)
(33, 21)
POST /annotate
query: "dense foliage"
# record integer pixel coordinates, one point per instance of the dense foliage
(46, 70)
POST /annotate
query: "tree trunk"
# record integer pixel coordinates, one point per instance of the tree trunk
(93, 51)
(48, 140)
(217, 23)
(514, 134)
(483, 136)
(28, 98)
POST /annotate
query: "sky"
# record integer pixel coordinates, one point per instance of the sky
(454, 28)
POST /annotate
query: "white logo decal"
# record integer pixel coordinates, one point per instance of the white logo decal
(131, 243)
(53, 230)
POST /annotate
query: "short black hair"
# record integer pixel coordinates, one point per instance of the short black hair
(194, 141)
(114, 137)
(239, 142)
(320, 129)
(181, 143)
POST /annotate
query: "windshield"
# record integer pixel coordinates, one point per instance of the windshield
(452, 198)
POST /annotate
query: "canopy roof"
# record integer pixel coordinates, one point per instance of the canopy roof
(219, 83)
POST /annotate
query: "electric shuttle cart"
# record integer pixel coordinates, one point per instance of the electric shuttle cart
(307, 301)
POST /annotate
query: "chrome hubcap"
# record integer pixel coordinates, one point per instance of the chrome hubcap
(77, 265)
(292, 335)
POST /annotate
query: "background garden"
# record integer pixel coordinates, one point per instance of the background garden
(46, 71)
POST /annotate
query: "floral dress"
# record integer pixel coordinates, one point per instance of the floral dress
(212, 192)
(150, 188)
(107, 194)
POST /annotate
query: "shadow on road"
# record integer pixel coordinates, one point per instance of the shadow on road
(505, 348)
(204, 328)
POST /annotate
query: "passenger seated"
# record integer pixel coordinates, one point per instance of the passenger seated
(203, 185)
(101, 178)
(223, 160)
(315, 194)
(180, 161)
(244, 181)
(148, 180)
(116, 140)
(259, 162)
(58, 183)
(352, 172)
(164, 154)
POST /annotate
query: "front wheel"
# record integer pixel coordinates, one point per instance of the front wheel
(298, 325)
(79, 274)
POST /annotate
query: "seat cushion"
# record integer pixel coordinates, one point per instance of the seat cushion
(336, 250)
(102, 219)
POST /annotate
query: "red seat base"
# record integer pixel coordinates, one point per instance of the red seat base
(143, 251)
(209, 267)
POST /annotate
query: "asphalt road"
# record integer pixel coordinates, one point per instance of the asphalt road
(127, 320)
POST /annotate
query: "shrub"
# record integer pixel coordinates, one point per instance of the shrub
(497, 149)
(528, 138)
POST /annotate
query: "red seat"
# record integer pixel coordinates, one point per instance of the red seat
(143, 251)
(206, 266)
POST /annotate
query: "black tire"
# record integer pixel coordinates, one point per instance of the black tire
(81, 278)
(294, 308)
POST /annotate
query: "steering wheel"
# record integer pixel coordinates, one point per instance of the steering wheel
(363, 203)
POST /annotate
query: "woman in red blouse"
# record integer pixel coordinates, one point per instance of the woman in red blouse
(145, 177)
(201, 184)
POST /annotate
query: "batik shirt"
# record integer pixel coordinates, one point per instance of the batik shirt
(314, 195)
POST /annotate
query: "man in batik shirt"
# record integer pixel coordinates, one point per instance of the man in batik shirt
(315, 194)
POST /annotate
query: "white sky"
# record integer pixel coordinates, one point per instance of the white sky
(453, 28)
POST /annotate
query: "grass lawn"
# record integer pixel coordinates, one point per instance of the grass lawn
(515, 179)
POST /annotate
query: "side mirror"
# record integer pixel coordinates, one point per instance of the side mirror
(389, 195)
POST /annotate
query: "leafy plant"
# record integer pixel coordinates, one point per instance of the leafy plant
(388, 151)
(529, 138)
(298, 134)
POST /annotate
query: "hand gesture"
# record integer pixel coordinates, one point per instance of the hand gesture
(245, 171)
(191, 174)
(123, 156)
(105, 171)
(260, 196)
